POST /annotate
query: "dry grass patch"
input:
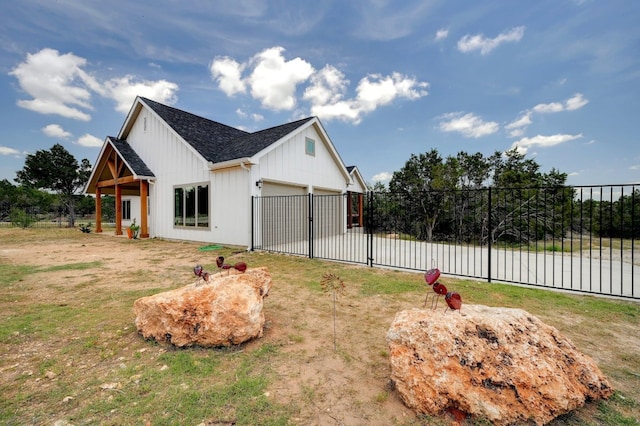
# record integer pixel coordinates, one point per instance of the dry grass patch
(69, 349)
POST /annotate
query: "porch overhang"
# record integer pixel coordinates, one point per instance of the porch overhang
(120, 171)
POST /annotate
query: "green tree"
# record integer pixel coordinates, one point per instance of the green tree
(25, 199)
(430, 198)
(420, 186)
(58, 171)
(513, 170)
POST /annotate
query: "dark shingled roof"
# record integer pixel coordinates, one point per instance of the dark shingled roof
(127, 153)
(218, 142)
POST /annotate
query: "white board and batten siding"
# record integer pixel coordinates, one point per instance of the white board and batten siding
(288, 165)
(230, 204)
(173, 163)
(288, 169)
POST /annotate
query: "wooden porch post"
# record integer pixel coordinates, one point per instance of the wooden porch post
(98, 210)
(144, 192)
(361, 209)
(118, 210)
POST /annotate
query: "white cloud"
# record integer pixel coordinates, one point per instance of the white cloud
(58, 84)
(55, 131)
(382, 177)
(372, 92)
(254, 116)
(89, 141)
(442, 33)
(577, 101)
(327, 86)
(524, 144)
(5, 150)
(125, 89)
(227, 72)
(518, 126)
(469, 43)
(273, 81)
(55, 84)
(548, 108)
(634, 167)
(469, 125)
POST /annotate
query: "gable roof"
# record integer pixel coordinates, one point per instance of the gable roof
(253, 143)
(356, 177)
(117, 161)
(218, 142)
(131, 158)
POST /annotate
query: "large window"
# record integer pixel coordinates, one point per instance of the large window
(191, 206)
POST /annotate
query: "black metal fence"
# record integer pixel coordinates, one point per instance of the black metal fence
(31, 217)
(580, 238)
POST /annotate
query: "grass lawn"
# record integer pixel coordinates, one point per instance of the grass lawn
(70, 352)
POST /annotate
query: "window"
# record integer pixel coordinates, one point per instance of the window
(191, 206)
(309, 146)
(126, 209)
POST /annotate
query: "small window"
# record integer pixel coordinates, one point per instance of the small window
(309, 146)
(126, 209)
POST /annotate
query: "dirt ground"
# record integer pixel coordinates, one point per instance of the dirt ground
(332, 382)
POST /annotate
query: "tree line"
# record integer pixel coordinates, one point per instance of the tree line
(503, 198)
(49, 186)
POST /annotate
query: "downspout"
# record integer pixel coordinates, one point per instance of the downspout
(250, 248)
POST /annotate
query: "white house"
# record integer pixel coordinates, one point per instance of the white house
(181, 176)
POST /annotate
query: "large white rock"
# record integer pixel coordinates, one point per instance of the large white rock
(225, 311)
(499, 364)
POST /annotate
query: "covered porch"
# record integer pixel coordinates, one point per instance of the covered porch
(119, 171)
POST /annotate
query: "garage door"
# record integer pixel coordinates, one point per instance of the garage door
(271, 189)
(329, 213)
(284, 218)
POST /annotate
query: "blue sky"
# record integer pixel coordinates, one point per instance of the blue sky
(559, 79)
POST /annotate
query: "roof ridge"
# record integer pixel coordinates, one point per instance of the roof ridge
(300, 121)
(181, 111)
(218, 142)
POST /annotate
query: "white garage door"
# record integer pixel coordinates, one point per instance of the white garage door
(270, 189)
(284, 217)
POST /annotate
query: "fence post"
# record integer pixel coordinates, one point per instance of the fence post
(253, 221)
(489, 226)
(310, 207)
(370, 231)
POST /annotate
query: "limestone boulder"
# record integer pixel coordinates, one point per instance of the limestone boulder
(227, 310)
(498, 364)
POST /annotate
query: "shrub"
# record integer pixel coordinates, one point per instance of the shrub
(20, 218)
